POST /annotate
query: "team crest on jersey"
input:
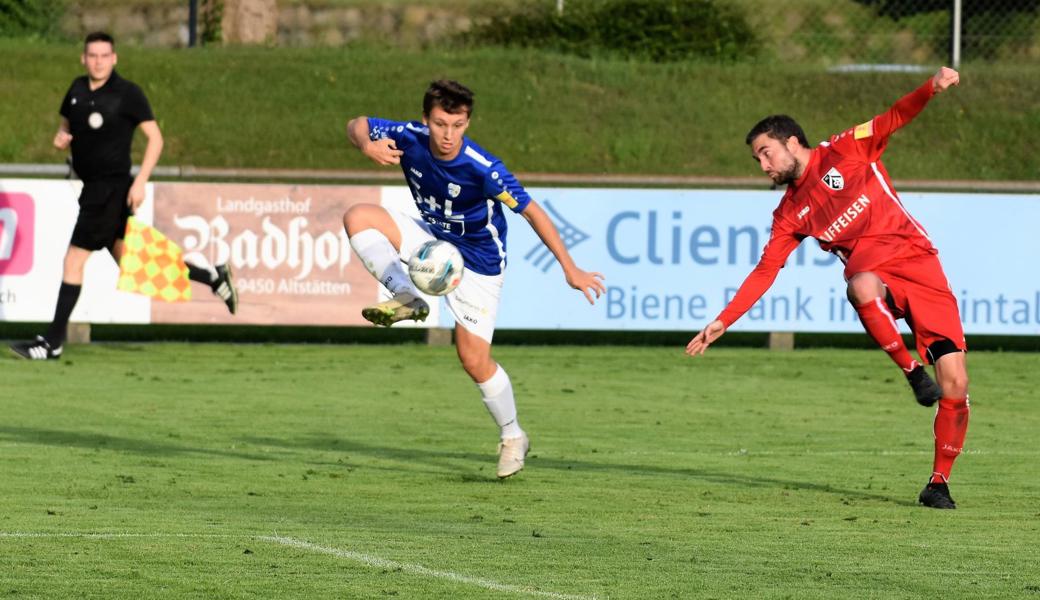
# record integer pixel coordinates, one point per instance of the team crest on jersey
(834, 180)
(454, 189)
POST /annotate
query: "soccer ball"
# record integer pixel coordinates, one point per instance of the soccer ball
(436, 267)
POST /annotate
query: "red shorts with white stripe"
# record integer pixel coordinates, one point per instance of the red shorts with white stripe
(920, 294)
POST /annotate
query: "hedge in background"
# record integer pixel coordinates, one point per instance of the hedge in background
(30, 17)
(657, 30)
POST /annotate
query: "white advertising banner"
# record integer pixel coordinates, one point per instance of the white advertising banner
(674, 258)
(36, 221)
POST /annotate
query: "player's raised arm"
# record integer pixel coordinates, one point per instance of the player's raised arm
(909, 106)
(382, 152)
(872, 137)
(587, 282)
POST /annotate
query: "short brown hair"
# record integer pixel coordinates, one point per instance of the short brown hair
(451, 96)
(98, 36)
(778, 127)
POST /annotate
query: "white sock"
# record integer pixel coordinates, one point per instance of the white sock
(498, 398)
(382, 260)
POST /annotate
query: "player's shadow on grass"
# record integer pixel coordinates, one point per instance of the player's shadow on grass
(101, 441)
(443, 460)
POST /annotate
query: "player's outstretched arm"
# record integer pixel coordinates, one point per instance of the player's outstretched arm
(702, 340)
(382, 152)
(587, 282)
(63, 138)
(944, 78)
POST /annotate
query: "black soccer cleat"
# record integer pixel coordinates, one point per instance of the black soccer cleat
(926, 391)
(936, 495)
(38, 349)
(224, 287)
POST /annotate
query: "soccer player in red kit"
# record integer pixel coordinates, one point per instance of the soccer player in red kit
(840, 194)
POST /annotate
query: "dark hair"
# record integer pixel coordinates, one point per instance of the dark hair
(98, 36)
(451, 96)
(778, 127)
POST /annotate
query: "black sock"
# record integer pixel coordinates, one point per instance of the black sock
(200, 275)
(68, 294)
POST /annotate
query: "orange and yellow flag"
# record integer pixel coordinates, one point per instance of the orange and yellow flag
(152, 265)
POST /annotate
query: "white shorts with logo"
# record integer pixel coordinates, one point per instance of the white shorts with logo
(474, 304)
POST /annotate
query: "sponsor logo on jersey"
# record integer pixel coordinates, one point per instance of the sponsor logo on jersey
(844, 220)
(415, 172)
(95, 120)
(73, 101)
(834, 180)
(454, 190)
(803, 212)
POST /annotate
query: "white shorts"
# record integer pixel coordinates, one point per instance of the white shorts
(474, 304)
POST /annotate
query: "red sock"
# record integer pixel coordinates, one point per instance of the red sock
(951, 423)
(880, 325)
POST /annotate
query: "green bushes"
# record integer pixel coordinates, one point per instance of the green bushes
(656, 30)
(37, 18)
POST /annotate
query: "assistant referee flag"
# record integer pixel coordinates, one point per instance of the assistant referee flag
(152, 265)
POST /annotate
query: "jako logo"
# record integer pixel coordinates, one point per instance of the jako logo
(17, 224)
(542, 257)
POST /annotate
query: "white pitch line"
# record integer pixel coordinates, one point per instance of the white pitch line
(382, 563)
(366, 559)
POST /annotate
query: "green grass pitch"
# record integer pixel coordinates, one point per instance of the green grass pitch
(318, 471)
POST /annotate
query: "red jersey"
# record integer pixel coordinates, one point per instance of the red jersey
(846, 201)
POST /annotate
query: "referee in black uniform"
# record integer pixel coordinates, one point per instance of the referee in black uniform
(100, 112)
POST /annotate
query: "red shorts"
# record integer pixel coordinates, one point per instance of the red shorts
(920, 294)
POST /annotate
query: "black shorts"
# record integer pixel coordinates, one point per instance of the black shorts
(102, 213)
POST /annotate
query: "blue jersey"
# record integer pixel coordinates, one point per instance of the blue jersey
(461, 198)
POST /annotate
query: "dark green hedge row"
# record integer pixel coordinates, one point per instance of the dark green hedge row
(657, 30)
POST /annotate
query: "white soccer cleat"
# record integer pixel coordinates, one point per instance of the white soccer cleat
(511, 454)
(400, 307)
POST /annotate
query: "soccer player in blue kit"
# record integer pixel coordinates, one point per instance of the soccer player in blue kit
(460, 190)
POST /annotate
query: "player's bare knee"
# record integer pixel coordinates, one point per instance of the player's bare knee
(477, 363)
(75, 262)
(472, 363)
(954, 385)
(864, 287)
(354, 219)
(367, 216)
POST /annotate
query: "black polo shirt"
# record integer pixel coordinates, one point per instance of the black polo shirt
(102, 124)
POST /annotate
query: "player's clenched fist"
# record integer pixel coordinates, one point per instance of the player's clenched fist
(383, 152)
(62, 139)
(944, 78)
